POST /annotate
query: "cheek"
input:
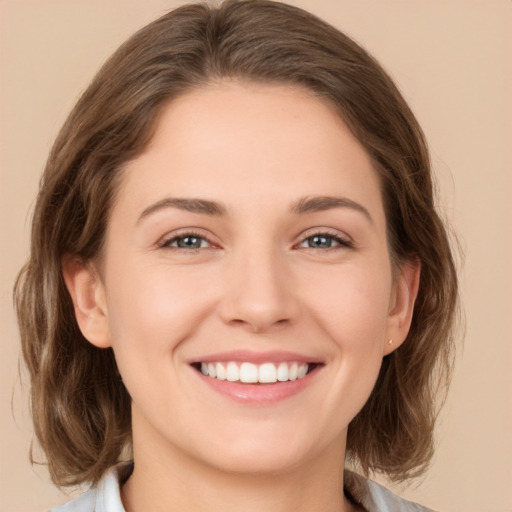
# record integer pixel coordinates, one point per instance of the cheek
(156, 309)
(150, 316)
(352, 304)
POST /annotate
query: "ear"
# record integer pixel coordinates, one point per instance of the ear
(88, 295)
(403, 296)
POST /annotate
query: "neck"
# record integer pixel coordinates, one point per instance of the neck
(174, 481)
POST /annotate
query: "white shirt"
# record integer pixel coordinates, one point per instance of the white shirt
(106, 496)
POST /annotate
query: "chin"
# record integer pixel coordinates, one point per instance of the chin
(267, 451)
(258, 463)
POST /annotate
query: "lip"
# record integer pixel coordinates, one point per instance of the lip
(258, 394)
(240, 356)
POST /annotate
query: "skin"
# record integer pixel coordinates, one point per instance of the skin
(255, 282)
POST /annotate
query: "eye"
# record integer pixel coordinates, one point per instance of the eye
(325, 241)
(187, 241)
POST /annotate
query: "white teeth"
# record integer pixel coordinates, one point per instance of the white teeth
(282, 372)
(267, 373)
(303, 369)
(249, 373)
(232, 372)
(212, 372)
(294, 368)
(221, 371)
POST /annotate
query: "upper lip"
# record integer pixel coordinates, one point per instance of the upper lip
(255, 357)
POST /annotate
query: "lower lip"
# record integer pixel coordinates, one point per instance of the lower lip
(259, 393)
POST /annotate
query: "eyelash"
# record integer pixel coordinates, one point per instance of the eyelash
(342, 242)
(339, 240)
(166, 244)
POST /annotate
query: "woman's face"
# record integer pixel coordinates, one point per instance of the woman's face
(248, 242)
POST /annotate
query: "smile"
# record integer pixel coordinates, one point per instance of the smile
(258, 378)
(250, 373)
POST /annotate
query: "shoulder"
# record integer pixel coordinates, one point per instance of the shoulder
(376, 498)
(105, 497)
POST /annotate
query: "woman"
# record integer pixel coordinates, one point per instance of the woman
(237, 279)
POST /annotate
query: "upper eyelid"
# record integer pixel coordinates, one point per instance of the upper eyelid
(168, 238)
(340, 241)
(335, 233)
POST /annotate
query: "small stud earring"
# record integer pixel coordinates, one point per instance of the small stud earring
(390, 342)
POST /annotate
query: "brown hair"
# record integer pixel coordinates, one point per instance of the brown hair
(80, 407)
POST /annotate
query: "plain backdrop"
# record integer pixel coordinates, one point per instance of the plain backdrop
(452, 61)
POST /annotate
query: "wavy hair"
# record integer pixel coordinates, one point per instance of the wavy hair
(80, 408)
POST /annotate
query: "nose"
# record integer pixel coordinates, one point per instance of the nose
(260, 293)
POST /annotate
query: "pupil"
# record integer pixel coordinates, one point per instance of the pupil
(321, 241)
(189, 241)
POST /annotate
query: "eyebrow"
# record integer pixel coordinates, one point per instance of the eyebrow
(322, 203)
(304, 205)
(202, 206)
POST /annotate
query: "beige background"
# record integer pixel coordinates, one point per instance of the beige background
(452, 61)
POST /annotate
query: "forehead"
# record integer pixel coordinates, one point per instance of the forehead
(245, 143)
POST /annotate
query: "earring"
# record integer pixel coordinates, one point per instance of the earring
(390, 342)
